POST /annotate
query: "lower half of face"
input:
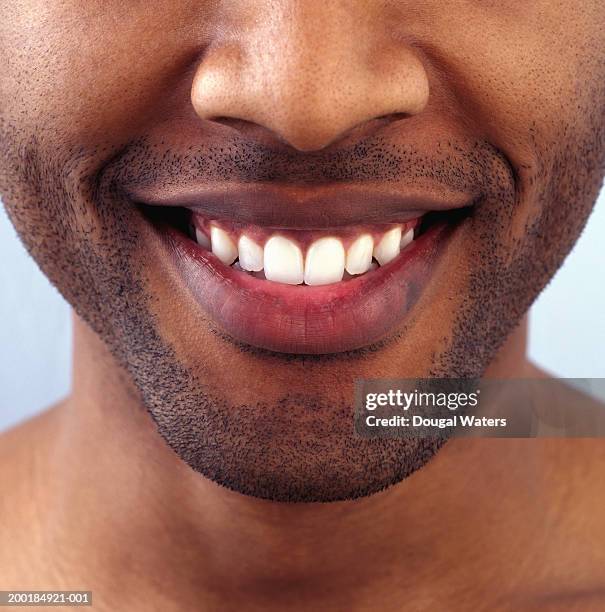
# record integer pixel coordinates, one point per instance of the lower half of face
(244, 313)
(182, 320)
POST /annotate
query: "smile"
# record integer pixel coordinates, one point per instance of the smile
(319, 285)
(302, 257)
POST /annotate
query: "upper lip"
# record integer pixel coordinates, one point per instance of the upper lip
(303, 206)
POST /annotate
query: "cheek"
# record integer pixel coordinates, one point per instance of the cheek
(536, 89)
(522, 76)
(96, 73)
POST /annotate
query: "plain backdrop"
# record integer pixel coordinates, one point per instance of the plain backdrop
(567, 322)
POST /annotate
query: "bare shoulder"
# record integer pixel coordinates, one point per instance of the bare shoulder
(20, 444)
(572, 520)
(24, 454)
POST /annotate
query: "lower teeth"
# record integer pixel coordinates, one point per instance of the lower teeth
(261, 274)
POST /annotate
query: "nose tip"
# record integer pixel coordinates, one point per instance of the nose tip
(308, 93)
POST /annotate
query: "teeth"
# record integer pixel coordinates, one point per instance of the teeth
(406, 239)
(222, 245)
(388, 247)
(359, 255)
(250, 254)
(325, 262)
(202, 239)
(283, 261)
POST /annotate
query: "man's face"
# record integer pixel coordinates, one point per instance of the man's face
(326, 133)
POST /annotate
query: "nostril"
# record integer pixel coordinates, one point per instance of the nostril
(223, 119)
(232, 122)
(249, 130)
(386, 119)
(393, 117)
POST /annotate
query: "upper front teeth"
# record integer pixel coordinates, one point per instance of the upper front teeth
(326, 260)
(222, 245)
(250, 254)
(359, 255)
(283, 261)
(388, 247)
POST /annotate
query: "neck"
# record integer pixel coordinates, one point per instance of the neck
(207, 542)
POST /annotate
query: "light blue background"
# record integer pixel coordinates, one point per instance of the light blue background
(567, 323)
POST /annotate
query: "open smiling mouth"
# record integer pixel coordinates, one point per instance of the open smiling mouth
(311, 279)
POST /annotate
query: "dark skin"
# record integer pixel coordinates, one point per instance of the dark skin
(488, 524)
(94, 99)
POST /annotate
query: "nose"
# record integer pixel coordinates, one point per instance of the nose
(309, 71)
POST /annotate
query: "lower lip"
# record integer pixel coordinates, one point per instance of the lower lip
(308, 320)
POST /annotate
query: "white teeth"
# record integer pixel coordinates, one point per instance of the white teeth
(283, 261)
(202, 239)
(222, 245)
(388, 247)
(250, 254)
(325, 262)
(406, 239)
(359, 255)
